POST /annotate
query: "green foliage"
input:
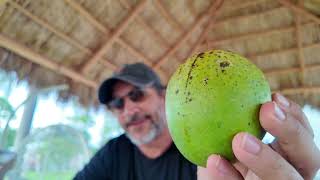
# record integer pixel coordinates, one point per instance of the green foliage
(6, 109)
(10, 137)
(7, 113)
(66, 175)
(84, 119)
(57, 149)
(56, 152)
(82, 122)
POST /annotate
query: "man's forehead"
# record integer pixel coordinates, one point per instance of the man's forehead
(121, 88)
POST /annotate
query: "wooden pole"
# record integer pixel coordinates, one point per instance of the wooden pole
(238, 18)
(191, 8)
(231, 6)
(113, 37)
(27, 118)
(180, 41)
(29, 54)
(168, 17)
(58, 33)
(300, 10)
(280, 51)
(76, 6)
(300, 90)
(48, 26)
(208, 26)
(159, 38)
(216, 42)
(185, 36)
(312, 67)
(299, 45)
(281, 71)
(118, 39)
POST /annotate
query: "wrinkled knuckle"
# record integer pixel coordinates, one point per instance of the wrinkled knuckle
(294, 106)
(296, 130)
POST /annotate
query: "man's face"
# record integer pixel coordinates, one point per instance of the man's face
(142, 113)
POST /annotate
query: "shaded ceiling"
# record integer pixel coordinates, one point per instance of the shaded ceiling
(81, 42)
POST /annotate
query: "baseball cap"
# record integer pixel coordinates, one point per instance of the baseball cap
(137, 74)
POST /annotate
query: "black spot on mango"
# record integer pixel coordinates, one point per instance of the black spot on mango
(224, 64)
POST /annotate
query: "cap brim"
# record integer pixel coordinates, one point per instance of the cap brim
(106, 88)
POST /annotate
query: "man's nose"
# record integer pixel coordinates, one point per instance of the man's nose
(129, 107)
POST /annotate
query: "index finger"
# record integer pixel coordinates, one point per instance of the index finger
(294, 139)
(261, 159)
(291, 107)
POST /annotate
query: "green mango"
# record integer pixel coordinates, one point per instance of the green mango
(210, 98)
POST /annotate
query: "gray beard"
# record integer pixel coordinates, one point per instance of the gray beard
(152, 134)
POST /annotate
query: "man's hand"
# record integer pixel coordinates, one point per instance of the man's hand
(293, 155)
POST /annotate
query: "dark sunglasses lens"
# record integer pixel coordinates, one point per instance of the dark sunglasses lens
(116, 103)
(136, 95)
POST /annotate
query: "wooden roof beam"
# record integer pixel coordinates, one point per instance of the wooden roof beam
(58, 33)
(191, 7)
(300, 10)
(249, 35)
(114, 35)
(156, 34)
(280, 51)
(186, 35)
(159, 38)
(168, 17)
(281, 71)
(76, 6)
(150, 30)
(104, 29)
(300, 90)
(237, 18)
(36, 58)
(242, 4)
(206, 29)
(47, 26)
(119, 40)
(311, 67)
(299, 45)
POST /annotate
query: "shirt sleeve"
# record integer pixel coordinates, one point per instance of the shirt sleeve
(98, 167)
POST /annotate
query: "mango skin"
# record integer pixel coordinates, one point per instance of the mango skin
(210, 98)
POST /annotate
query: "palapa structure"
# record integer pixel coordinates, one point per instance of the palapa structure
(81, 42)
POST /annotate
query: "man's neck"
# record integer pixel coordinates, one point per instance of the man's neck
(158, 146)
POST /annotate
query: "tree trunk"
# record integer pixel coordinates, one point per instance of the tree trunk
(26, 121)
(23, 131)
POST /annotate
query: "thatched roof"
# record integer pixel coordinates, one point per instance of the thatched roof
(81, 42)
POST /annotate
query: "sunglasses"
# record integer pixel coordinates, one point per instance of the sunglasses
(136, 95)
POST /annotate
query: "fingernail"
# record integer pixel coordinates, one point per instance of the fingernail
(278, 112)
(221, 166)
(250, 144)
(282, 100)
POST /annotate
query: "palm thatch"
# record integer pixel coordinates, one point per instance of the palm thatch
(81, 42)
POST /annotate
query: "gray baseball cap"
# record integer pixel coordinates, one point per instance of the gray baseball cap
(137, 74)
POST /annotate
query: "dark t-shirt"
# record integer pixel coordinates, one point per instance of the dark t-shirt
(119, 159)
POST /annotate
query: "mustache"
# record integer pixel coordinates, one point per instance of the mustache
(136, 117)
